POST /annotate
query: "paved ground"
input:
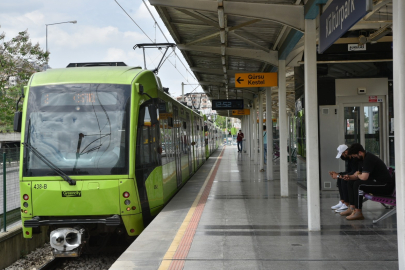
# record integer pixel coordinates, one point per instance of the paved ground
(245, 224)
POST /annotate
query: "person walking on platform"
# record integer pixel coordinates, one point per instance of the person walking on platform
(372, 177)
(265, 144)
(351, 166)
(239, 140)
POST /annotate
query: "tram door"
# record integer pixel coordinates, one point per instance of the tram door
(362, 124)
(196, 140)
(189, 140)
(177, 143)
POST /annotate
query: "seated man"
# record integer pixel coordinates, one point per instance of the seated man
(372, 177)
(351, 168)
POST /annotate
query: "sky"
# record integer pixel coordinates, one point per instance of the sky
(103, 33)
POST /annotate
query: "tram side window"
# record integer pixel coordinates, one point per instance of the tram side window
(148, 151)
(166, 133)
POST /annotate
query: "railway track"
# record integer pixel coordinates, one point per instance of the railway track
(53, 264)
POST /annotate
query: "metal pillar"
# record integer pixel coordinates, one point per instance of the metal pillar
(289, 138)
(399, 118)
(253, 141)
(269, 125)
(182, 92)
(311, 127)
(260, 133)
(4, 193)
(247, 135)
(257, 146)
(282, 116)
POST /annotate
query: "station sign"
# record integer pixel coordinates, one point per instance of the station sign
(241, 112)
(227, 104)
(262, 79)
(338, 18)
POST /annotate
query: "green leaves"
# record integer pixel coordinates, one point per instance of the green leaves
(19, 58)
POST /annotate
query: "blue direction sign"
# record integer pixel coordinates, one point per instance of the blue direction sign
(338, 18)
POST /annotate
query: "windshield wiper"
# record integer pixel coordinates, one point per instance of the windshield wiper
(81, 135)
(50, 164)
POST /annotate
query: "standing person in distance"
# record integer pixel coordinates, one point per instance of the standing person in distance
(240, 140)
(264, 146)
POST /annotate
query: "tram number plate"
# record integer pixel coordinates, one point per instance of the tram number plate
(40, 186)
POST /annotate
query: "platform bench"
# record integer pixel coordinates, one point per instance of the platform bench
(384, 200)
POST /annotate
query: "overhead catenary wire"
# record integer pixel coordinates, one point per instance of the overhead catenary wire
(154, 42)
(153, 17)
(133, 21)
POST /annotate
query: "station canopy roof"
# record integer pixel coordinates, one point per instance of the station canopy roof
(219, 38)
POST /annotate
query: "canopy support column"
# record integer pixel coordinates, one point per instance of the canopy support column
(269, 128)
(260, 134)
(311, 127)
(399, 118)
(282, 104)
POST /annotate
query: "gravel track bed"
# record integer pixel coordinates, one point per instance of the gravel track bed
(33, 260)
(43, 255)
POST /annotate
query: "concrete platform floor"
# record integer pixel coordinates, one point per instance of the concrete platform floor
(245, 224)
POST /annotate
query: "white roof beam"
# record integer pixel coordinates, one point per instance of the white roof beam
(250, 42)
(376, 8)
(215, 71)
(204, 38)
(290, 15)
(187, 4)
(361, 25)
(259, 55)
(200, 17)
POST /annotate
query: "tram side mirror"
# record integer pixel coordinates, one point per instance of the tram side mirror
(140, 89)
(170, 122)
(205, 128)
(184, 125)
(17, 121)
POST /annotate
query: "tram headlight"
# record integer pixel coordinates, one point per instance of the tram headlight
(127, 202)
(25, 204)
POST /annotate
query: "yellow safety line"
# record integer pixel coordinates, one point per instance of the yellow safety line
(168, 258)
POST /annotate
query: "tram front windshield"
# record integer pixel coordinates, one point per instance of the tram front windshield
(82, 129)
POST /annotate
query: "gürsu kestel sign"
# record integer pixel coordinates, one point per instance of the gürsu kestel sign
(263, 79)
(241, 112)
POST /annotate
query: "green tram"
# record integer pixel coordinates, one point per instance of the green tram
(104, 149)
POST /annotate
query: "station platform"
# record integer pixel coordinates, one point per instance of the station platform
(228, 216)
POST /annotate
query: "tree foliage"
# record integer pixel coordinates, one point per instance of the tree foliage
(19, 58)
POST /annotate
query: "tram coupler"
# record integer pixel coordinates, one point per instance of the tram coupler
(67, 242)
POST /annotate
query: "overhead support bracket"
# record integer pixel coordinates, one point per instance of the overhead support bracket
(311, 8)
(290, 15)
(259, 55)
(200, 17)
(246, 40)
(186, 4)
(289, 43)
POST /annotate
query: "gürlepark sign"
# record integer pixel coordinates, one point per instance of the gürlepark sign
(338, 18)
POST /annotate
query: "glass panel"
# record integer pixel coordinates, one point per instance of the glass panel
(372, 129)
(352, 123)
(81, 128)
